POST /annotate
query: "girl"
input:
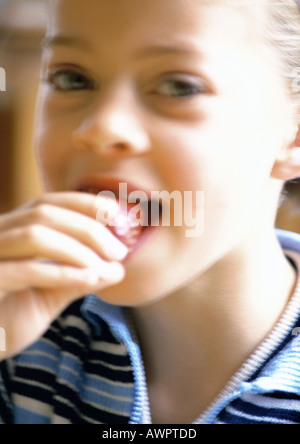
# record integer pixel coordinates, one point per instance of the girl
(176, 96)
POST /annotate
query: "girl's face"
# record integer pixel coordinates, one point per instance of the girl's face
(168, 95)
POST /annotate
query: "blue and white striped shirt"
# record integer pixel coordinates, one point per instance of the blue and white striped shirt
(88, 369)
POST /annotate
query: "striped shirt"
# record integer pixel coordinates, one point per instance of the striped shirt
(88, 369)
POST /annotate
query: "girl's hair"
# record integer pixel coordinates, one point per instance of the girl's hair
(277, 22)
(284, 29)
(285, 32)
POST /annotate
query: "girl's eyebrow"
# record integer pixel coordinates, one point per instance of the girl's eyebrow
(62, 40)
(165, 49)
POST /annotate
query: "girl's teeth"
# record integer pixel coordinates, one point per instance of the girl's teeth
(127, 227)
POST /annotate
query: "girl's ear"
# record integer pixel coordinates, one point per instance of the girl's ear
(287, 163)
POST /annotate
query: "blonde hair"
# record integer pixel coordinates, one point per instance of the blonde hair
(277, 22)
(285, 33)
(284, 29)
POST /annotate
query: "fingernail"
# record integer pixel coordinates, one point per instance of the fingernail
(119, 251)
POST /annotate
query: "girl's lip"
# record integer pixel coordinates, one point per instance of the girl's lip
(122, 189)
(97, 184)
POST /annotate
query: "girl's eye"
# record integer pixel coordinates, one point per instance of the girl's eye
(179, 88)
(69, 81)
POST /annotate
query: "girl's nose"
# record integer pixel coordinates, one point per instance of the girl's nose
(113, 127)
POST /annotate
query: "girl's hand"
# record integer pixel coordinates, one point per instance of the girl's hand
(52, 252)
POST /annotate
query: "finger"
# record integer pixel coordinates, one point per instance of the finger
(20, 275)
(85, 203)
(81, 227)
(38, 241)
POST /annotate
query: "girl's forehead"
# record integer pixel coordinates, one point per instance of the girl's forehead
(120, 18)
(122, 10)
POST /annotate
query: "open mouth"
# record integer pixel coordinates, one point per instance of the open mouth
(132, 220)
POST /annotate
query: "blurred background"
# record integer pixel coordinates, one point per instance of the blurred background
(22, 25)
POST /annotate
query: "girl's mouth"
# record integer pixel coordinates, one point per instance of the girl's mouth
(134, 221)
(129, 224)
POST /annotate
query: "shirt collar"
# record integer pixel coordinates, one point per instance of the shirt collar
(282, 373)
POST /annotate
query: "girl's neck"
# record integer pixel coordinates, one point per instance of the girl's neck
(195, 339)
